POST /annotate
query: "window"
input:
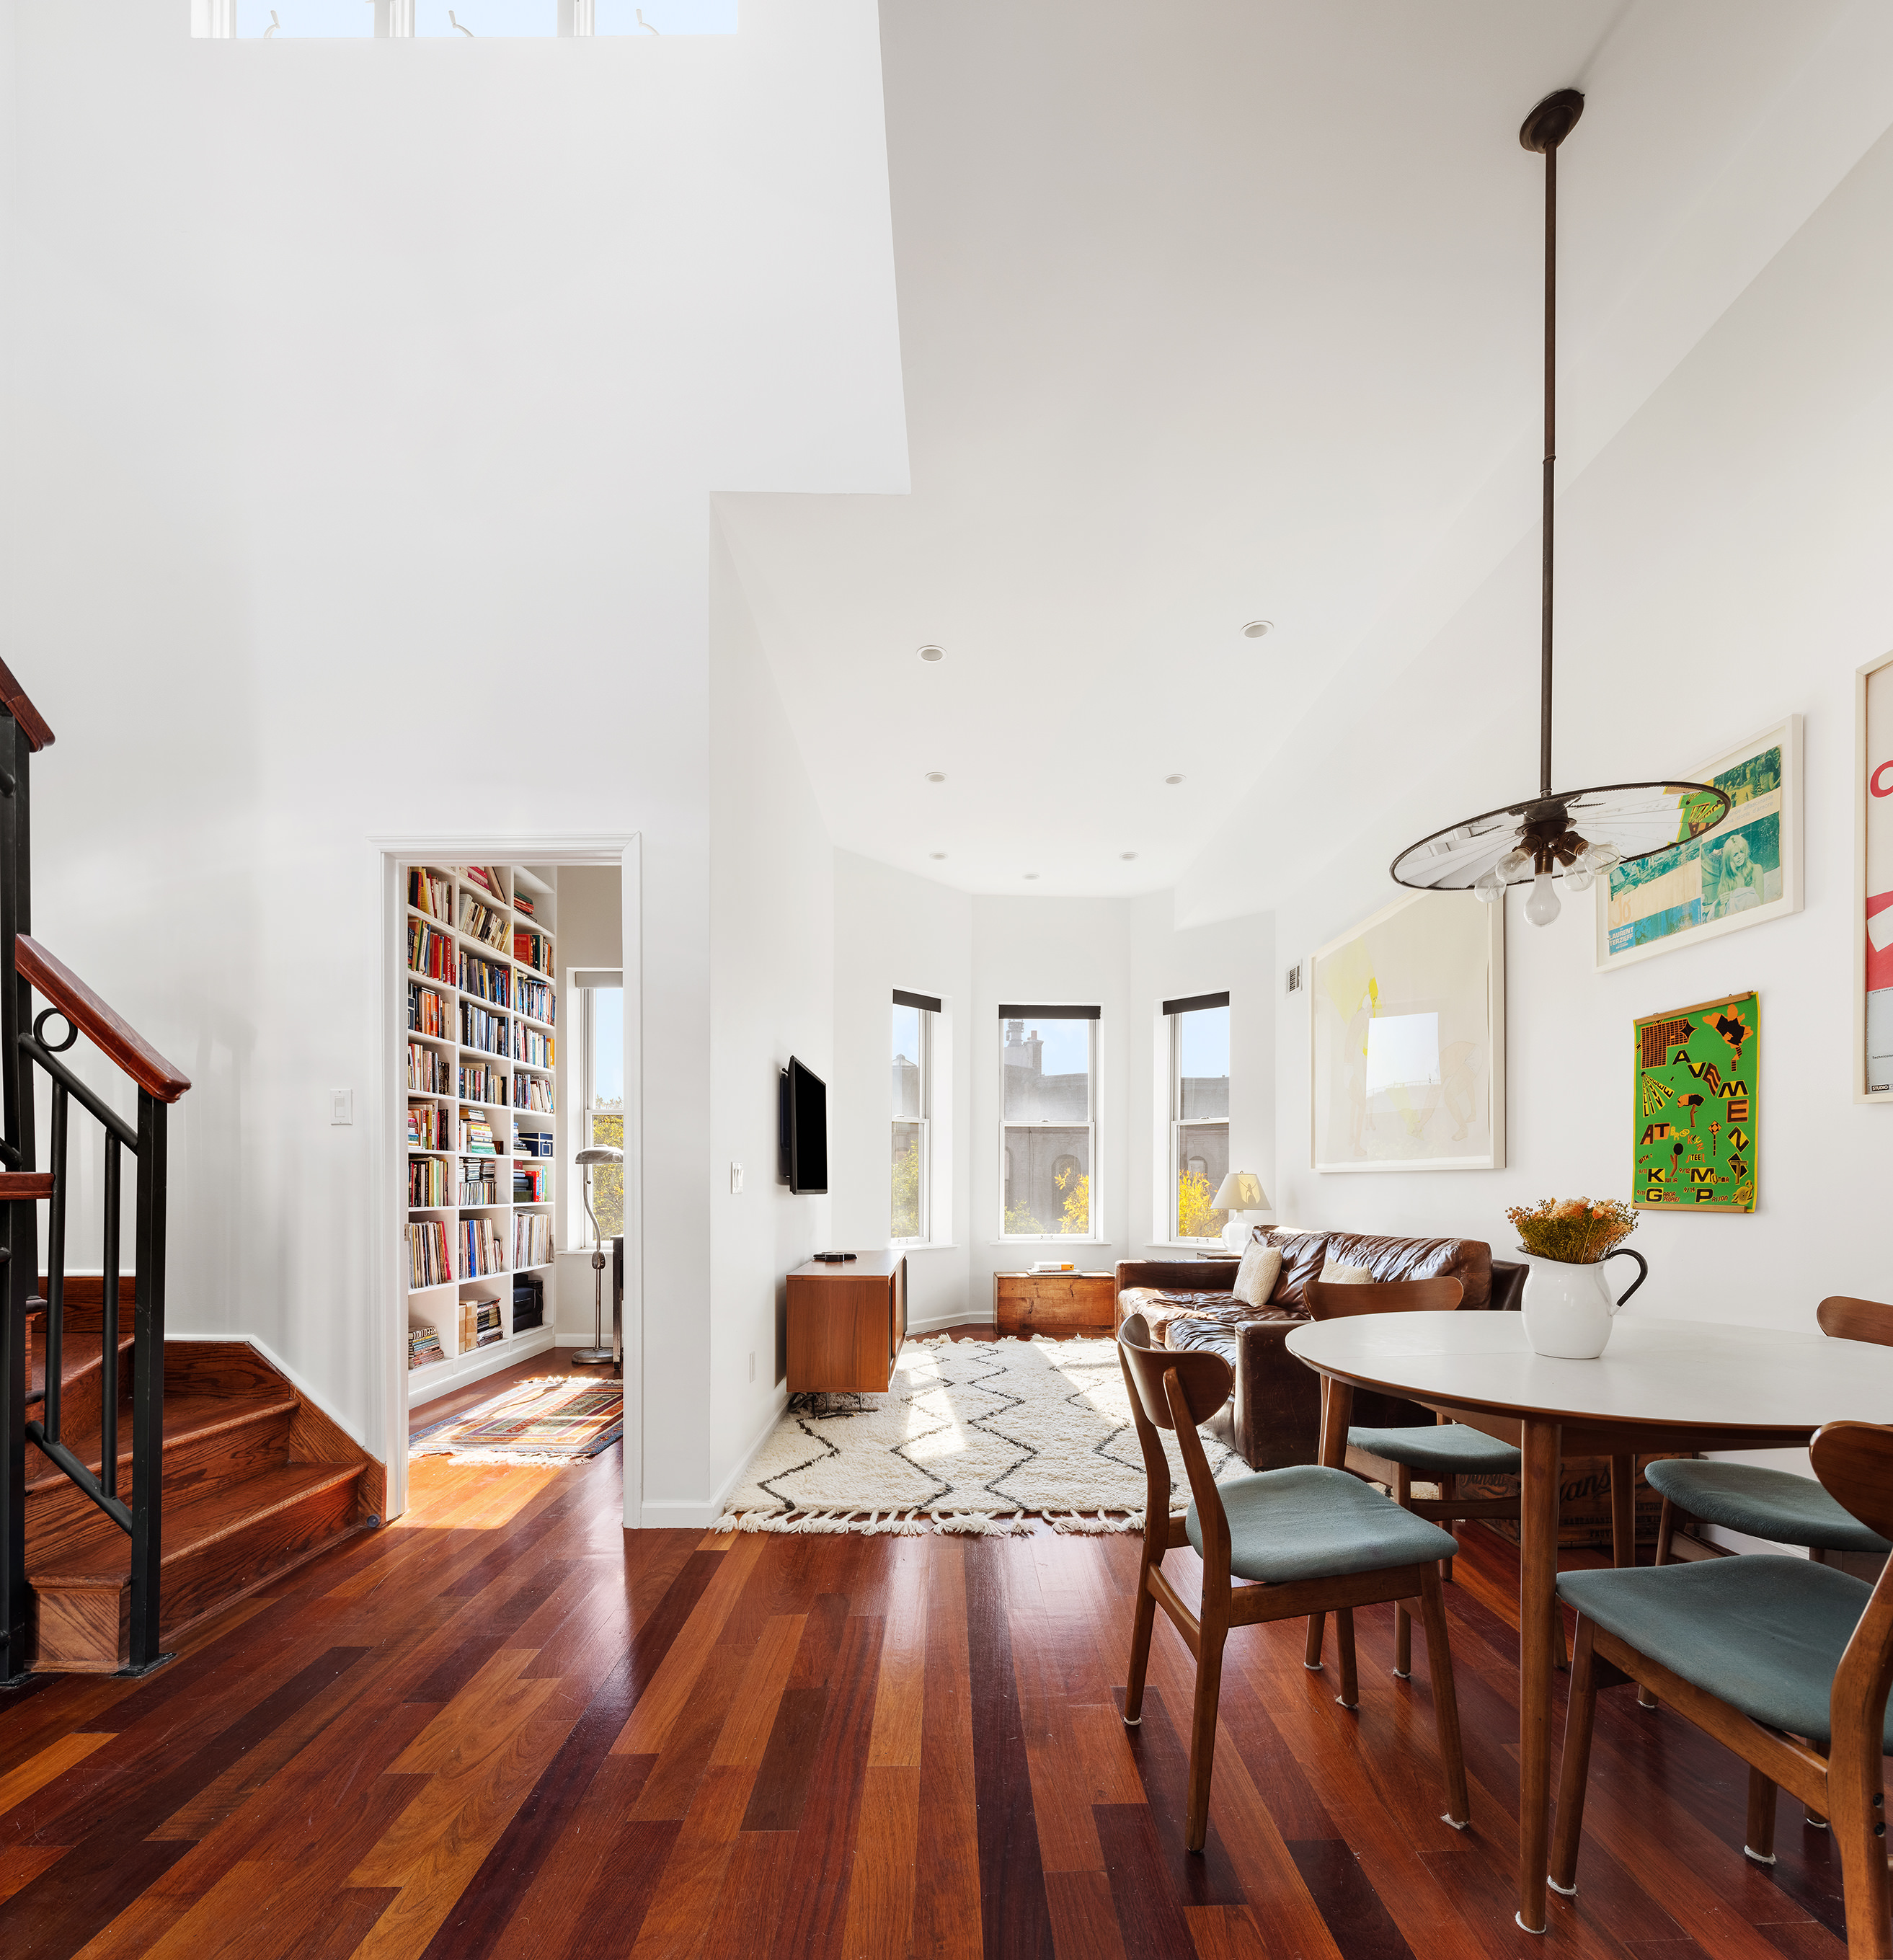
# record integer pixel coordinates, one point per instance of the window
(1048, 1103)
(465, 20)
(913, 1098)
(600, 1096)
(1199, 1110)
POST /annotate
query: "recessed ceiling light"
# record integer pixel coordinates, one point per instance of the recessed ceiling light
(1126, 855)
(935, 776)
(936, 855)
(1172, 780)
(931, 653)
(1032, 874)
(1259, 629)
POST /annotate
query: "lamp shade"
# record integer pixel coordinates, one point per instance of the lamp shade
(1241, 1191)
(599, 1154)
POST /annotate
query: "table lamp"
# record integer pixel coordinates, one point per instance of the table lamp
(1240, 1191)
(587, 1160)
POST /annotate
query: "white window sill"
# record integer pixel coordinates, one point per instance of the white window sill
(1210, 1248)
(1063, 1239)
(922, 1245)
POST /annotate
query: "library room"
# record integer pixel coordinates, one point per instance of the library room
(512, 1250)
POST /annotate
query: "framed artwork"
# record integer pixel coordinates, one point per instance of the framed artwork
(1873, 882)
(1744, 870)
(1697, 1069)
(1407, 1039)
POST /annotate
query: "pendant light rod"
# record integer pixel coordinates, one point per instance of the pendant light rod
(1545, 129)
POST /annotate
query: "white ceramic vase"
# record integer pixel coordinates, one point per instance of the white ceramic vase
(1568, 1309)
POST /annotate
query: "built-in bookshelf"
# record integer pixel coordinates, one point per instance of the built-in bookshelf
(482, 1027)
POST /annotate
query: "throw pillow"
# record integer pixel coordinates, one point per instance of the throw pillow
(1338, 1272)
(1255, 1278)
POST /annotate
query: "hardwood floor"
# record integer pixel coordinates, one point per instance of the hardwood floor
(503, 1726)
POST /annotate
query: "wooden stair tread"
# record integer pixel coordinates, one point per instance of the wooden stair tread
(81, 1353)
(102, 1553)
(187, 1419)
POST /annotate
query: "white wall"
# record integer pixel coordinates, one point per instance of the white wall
(894, 929)
(772, 996)
(358, 394)
(1727, 560)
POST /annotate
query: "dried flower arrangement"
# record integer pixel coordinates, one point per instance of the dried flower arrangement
(1576, 1230)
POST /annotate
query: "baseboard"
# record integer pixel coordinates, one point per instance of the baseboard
(941, 1322)
(690, 1513)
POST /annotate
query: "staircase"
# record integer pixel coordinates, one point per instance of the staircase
(255, 1481)
(234, 1478)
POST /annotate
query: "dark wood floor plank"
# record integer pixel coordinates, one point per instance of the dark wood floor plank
(1150, 1914)
(1363, 1927)
(1015, 1919)
(947, 1923)
(1084, 1914)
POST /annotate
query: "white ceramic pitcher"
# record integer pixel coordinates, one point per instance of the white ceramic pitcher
(1568, 1308)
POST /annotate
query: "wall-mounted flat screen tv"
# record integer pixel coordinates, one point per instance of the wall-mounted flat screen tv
(804, 1127)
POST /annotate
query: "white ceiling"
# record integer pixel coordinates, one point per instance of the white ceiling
(1216, 311)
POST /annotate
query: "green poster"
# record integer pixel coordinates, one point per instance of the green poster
(1695, 1110)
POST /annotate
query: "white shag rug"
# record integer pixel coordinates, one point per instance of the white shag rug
(972, 1436)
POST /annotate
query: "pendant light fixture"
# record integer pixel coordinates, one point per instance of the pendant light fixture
(1577, 835)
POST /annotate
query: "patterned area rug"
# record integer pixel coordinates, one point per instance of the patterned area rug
(550, 1419)
(973, 1436)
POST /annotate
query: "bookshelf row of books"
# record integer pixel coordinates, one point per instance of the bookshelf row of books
(427, 1184)
(476, 1135)
(423, 1346)
(479, 1183)
(427, 1127)
(533, 1093)
(536, 997)
(428, 1072)
(480, 1325)
(482, 1030)
(532, 1240)
(482, 1250)
(531, 1047)
(431, 954)
(427, 1265)
(429, 892)
(532, 1183)
(482, 922)
(486, 979)
(533, 949)
(479, 1084)
(428, 1013)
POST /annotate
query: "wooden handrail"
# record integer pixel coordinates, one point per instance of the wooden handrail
(32, 722)
(31, 1185)
(63, 989)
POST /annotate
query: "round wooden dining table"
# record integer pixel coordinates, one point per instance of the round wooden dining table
(1660, 1385)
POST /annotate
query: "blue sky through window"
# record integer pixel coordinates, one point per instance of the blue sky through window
(487, 19)
(1067, 1049)
(667, 17)
(1203, 1042)
(306, 19)
(608, 1044)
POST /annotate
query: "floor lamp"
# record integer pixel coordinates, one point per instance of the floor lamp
(587, 1160)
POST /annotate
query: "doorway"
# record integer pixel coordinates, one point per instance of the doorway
(507, 1233)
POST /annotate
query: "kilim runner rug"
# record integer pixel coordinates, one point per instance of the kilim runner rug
(972, 1436)
(550, 1419)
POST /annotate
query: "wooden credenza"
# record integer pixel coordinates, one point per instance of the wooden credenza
(1054, 1303)
(847, 1323)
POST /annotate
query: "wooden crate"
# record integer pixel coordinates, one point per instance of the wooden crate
(1027, 1303)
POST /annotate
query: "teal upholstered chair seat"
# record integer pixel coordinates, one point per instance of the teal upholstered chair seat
(1763, 1634)
(1447, 1449)
(1306, 1523)
(1765, 1503)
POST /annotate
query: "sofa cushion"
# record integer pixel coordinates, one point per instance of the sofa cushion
(1164, 1307)
(1468, 1260)
(1255, 1278)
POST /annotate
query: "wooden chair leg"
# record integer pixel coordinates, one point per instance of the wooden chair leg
(1449, 1489)
(1580, 1716)
(1665, 1530)
(1141, 1624)
(1209, 1683)
(1758, 1841)
(1402, 1642)
(1311, 1659)
(1854, 1801)
(1446, 1703)
(1350, 1695)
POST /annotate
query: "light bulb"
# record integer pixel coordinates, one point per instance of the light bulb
(1580, 877)
(1511, 864)
(1601, 858)
(1490, 888)
(1542, 906)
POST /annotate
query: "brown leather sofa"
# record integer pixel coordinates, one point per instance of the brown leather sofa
(1273, 1417)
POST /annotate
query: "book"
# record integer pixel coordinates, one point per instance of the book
(427, 1262)
(476, 1135)
(425, 1130)
(479, 1083)
(427, 1070)
(427, 1012)
(483, 1029)
(522, 902)
(423, 1346)
(532, 1240)
(481, 1252)
(482, 922)
(485, 978)
(534, 1092)
(535, 997)
(479, 1182)
(429, 953)
(429, 892)
(531, 1047)
(533, 949)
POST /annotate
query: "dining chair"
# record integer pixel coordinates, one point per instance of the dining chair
(1786, 1661)
(1307, 1539)
(1772, 1504)
(1439, 1452)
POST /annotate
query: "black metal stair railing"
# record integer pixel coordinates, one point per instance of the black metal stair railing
(24, 967)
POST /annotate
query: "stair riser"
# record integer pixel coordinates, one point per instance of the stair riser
(83, 1628)
(190, 1467)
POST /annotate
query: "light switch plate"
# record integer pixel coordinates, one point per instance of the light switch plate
(736, 1179)
(341, 1105)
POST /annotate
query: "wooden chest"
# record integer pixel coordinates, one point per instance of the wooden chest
(1053, 1303)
